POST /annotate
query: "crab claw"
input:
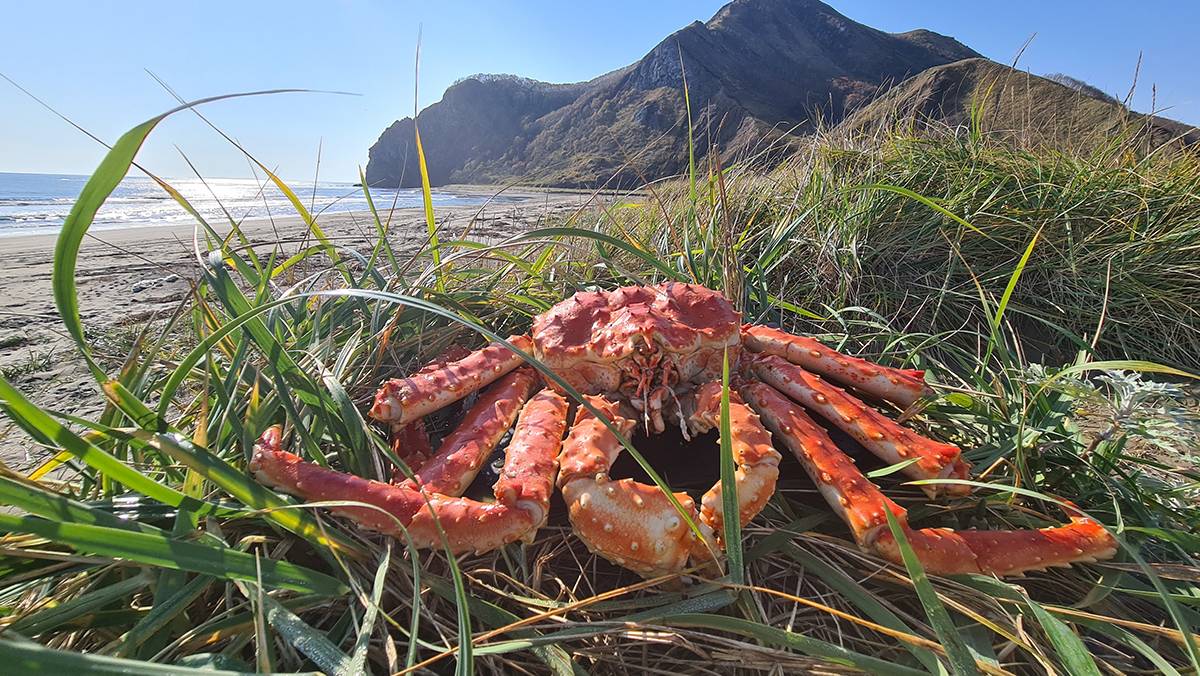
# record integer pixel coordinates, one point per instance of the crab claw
(631, 524)
(636, 525)
(756, 460)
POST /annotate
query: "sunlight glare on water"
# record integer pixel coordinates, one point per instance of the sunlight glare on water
(39, 203)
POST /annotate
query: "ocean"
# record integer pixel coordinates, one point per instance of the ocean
(39, 203)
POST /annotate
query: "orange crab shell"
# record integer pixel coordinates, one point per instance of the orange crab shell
(596, 340)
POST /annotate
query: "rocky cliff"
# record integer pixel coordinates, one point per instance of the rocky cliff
(759, 74)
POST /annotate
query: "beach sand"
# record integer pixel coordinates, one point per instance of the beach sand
(127, 277)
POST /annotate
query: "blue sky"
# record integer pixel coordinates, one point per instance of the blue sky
(88, 59)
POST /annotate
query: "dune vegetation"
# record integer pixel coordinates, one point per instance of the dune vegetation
(1050, 296)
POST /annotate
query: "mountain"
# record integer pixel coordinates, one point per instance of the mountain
(760, 73)
(1057, 110)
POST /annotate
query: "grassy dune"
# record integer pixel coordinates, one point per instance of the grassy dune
(1051, 297)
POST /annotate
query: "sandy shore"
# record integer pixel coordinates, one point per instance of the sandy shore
(129, 276)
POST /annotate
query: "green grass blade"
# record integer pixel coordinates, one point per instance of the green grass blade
(923, 200)
(31, 658)
(1177, 613)
(41, 426)
(313, 644)
(690, 222)
(1123, 365)
(732, 522)
(890, 469)
(435, 250)
(793, 641)
(51, 618)
(355, 440)
(697, 604)
(161, 614)
(998, 317)
(1130, 639)
(1067, 644)
(357, 663)
(164, 552)
(422, 167)
(961, 660)
(1012, 282)
(56, 507)
(131, 406)
(381, 229)
(606, 239)
(313, 227)
(783, 535)
(464, 659)
(245, 490)
(555, 657)
(857, 594)
(99, 186)
(414, 619)
(279, 359)
(205, 347)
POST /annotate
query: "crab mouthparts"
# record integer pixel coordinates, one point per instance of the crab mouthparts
(648, 384)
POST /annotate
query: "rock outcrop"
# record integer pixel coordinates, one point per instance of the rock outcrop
(760, 73)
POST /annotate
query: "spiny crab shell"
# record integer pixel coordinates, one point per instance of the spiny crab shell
(642, 344)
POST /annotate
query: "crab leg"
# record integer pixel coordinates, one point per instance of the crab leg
(410, 442)
(757, 461)
(940, 550)
(469, 525)
(402, 400)
(631, 524)
(522, 494)
(464, 451)
(900, 386)
(875, 431)
(287, 472)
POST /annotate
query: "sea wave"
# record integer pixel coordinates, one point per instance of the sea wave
(41, 202)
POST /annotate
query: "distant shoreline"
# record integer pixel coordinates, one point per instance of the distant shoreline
(38, 204)
(128, 276)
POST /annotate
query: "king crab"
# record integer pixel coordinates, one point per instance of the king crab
(654, 355)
